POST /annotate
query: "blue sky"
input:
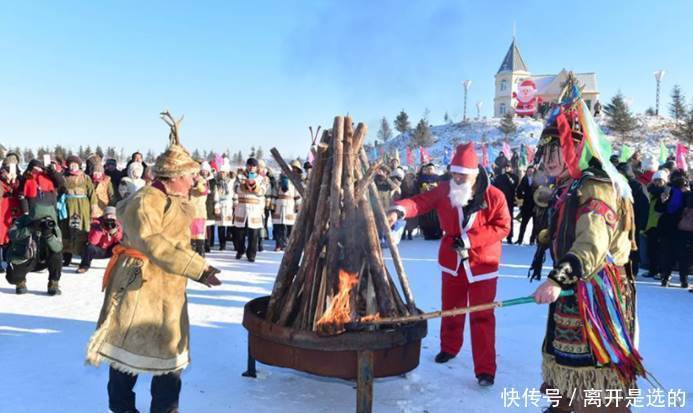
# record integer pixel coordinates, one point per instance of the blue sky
(259, 72)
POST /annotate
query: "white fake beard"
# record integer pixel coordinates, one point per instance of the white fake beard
(460, 194)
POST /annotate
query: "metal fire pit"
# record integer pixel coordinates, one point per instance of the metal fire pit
(360, 355)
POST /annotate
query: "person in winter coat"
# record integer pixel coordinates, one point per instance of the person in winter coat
(475, 220)
(507, 183)
(105, 233)
(112, 171)
(10, 205)
(198, 227)
(525, 192)
(248, 211)
(409, 189)
(39, 186)
(103, 189)
(74, 210)
(35, 244)
(206, 173)
(428, 180)
(590, 238)
(500, 163)
(653, 238)
(133, 182)
(385, 187)
(265, 179)
(285, 203)
(143, 325)
(641, 206)
(224, 196)
(674, 245)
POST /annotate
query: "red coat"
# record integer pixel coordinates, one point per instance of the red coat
(100, 238)
(10, 208)
(487, 225)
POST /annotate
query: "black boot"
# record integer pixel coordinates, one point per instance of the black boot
(485, 380)
(67, 259)
(53, 288)
(665, 280)
(444, 357)
(20, 288)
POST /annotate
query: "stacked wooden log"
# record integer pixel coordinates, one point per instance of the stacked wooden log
(333, 270)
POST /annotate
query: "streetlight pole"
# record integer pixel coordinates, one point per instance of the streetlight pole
(478, 108)
(659, 75)
(466, 84)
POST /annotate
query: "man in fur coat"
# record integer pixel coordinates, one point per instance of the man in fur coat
(143, 326)
(475, 219)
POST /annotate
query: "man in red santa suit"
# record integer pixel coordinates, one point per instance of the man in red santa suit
(475, 219)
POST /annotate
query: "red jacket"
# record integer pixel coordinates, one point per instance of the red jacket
(99, 237)
(487, 223)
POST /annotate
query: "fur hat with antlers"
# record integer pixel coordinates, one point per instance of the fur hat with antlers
(176, 160)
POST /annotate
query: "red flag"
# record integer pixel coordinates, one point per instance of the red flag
(425, 157)
(681, 155)
(530, 154)
(410, 157)
(484, 156)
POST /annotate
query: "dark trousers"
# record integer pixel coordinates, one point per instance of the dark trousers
(653, 251)
(675, 248)
(165, 390)
(198, 245)
(523, 227)
(252, 236)
(16, 273)
(281, 234)
(225, 234)
(91, 252)
(210, 238)
(266, 218)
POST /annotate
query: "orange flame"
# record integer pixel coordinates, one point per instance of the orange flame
(339, 311)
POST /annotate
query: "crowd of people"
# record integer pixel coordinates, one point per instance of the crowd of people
(56, 210)
(663, 206)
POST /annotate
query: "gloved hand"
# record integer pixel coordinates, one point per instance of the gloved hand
(460, 248)
(209, 277)
(562, 274)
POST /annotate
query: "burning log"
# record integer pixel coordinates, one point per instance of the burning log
(333, 271)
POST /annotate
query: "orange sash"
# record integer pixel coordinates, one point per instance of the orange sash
(117, 251)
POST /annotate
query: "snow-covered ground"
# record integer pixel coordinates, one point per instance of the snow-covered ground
(43, 341)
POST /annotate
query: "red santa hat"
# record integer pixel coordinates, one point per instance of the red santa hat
(528, 82)
(465, 161)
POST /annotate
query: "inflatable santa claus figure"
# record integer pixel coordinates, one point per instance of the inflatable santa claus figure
(527, 99)
(474, 219)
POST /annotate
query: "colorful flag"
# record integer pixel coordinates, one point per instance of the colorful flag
(626, 153)
(506, 150)
(425, 157)
(663, 153)
(681, 156)
(531, 151)
(446, 156)
(410, 157)
(523, 155)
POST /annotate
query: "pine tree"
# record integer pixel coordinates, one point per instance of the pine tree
(259, 153)
(99, 151)
(620, 119)
(28, 155)
(87, 152)
(426, 115)
(196, 154)
(402, 122)
(447, 119)
(677, 107)
(385, 133)
(422, 134)
(60, 151)
(41, 151)
(252, 152)
(111, 152)
(650, 111)
(507, 125)
(80, 151)
(684, 130)
(149, 158)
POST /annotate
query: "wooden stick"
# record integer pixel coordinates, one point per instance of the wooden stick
(384, 227)
(292, 254)
(306, 272)
(364, 183)
(335, 205)
(288, 172)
